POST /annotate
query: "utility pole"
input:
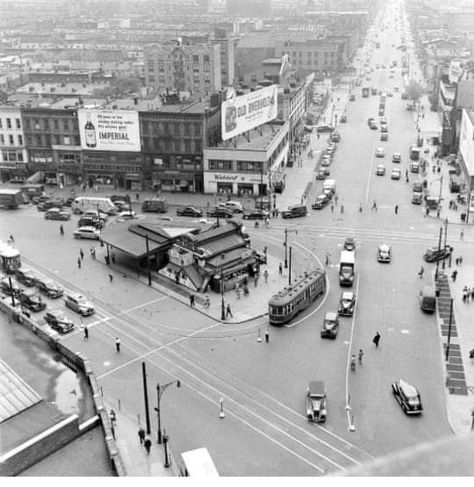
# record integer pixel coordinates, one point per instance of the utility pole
(159, 392)
(289, 272)
(439, 250)
(145, 394)
(285, 244)
(11, 290)
(148, 259)
(443, 266)
(222, 295)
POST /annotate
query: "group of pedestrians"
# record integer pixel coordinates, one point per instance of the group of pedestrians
(144, 439)
(467, 294)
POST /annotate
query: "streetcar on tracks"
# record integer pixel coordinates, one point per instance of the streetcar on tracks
(285, 305)
(10, 259)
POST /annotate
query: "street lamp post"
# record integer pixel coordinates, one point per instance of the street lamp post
(448, 344)
(222, 296)
(443, 266)
(285, 244)
(289, 271)
(439, 250)
(12, 292)
(159, 392)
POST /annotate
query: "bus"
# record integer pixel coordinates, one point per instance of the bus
(86, 203)
(285, 305)
(9, 258)
(198, 463)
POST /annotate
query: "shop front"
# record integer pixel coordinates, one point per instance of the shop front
(244, 185)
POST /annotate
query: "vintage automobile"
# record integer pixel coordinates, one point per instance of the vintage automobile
(256, 214)
(380, 152)
(417, 198)
(26, 277)
(90, 233)
(349, 244)
(49, 287)
(58, 321)
(347, 304)
(330, 325)
(321, 174)
(57, 214)
(407, 396)
(433, 254)
(384, 253)
(395, 174)
(335, 136)
(220, 212)
(189, 211)
(316, 401)
(6, 289)
(397, 157)
(320, 202)
(380, 170)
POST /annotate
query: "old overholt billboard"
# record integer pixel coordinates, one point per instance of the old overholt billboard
(111, 130)
(246, 112)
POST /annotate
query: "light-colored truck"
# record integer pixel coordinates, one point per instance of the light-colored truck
(11, 198)
(329, 186)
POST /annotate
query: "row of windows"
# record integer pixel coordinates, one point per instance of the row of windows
(50, 124)
(171, 128)
(242, 166)
(10, 156)
(48, 140)
(109, 167)
(167, 145)
(313, 53)
(9, 124)
(11, 139)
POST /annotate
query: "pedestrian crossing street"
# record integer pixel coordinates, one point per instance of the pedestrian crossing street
(412, 235)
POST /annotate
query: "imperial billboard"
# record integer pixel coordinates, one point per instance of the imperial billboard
(246, 112)
(112, 130)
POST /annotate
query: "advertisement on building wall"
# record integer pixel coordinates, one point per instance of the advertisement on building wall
(111, 130)
(455, 71)
(466, 142)
(242, 113)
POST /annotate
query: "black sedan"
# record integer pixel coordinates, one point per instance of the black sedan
(220, 212)
(255, 215)
(189, 211)
(49, 287)
(349, 244)
(58, 321)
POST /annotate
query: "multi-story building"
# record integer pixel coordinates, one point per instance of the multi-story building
(227, 48)
(13, 155)
(52, 140)
(173, 138)
(195, 68)
(250, 165)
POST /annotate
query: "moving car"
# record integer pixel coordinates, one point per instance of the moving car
(221, 212)
(97, 215)
(58, 321)
(316, 401)
(407, 396)
(57, 214)
(380, 152)
(324, 128)
(330, 325)
(26, 277)
(90, 222)
(335, 136)
(383, 127)
(295, 211)
(352, 97)
(384, 136)
(49, 287)
(343, 118)
(320, 202)
(397, 157)
(47, 205)
(234, 206)
(127, 215)
(256, 214)
(370, 120)
(349, 244)
(384, 253)
(415, 167)
(396, 174)
(31, 299)
(321, 174)
(79, 304)
(417, 198)
(433, 254)
(90, 233)
(373, 125)
(326, 161)
(347, 304)
(380, 170)
(189, 211)
(427, 298)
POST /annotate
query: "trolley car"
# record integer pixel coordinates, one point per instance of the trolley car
(9, 258)
(283, 306)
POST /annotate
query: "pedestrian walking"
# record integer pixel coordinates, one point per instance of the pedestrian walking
(141, 435)
(228, 312)
(267, 335)
(374, 206)
(79, 262)
(81, 253)
(113, 417)
(342, 208)
(421, 272)
(460, 260)
(396, 209)
(191, 300)
(336, 199)
(280, 269)
(472, 293)
(113, 257)
(207, 302)
(376, 339)
(11, 239)
(461, 235)
(332, 207)
(255, 280)
(86, 333)
(438, 211)
(265, 275)
(111, 278)
(147, 444)
(454, 274)
(61, 230)
(327, 258)
(117, 344)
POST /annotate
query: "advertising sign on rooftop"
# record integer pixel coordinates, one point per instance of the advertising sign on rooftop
(111, 130)
(242, 113)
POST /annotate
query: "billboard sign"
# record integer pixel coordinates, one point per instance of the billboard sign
(111, 130)
(455, 71)
(246, 112)
(466, 142)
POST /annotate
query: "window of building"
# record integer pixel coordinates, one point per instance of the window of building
(1, 124)
(196, 58)
(19, 157)
(197, 129)
(187, 129)
(36, 124)
(249, 166)
(9, 123)
(18, 123)
(20, 140)
(2, 139)
(56, 124)
(198, 146)
(187, 146)
(206, 58)
(67, 140)
(176, 128)
(10, 140)
(217, 165)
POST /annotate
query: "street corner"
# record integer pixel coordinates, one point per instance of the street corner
(460, 413)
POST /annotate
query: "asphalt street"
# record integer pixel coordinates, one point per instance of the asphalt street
(263, 386)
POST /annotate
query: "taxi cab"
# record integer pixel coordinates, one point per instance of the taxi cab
(407, 396)
(384, 253)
